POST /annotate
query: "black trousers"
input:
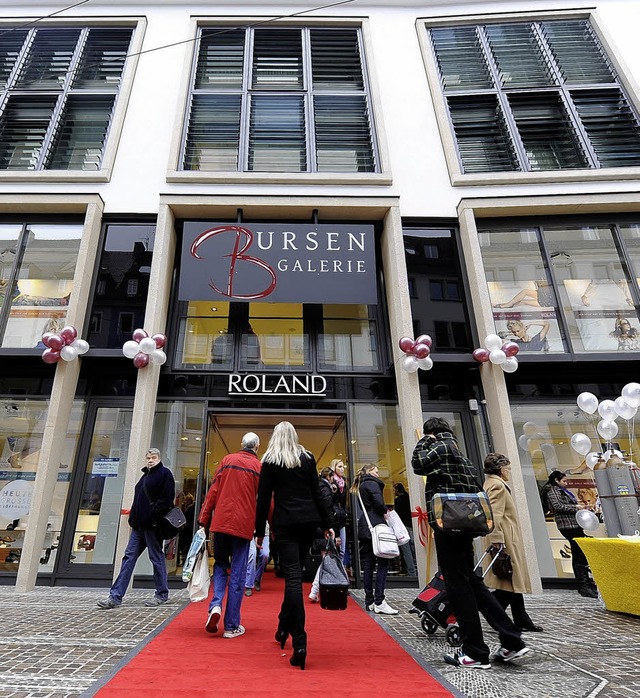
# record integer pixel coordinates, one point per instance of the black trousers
(516, 601)
(469, 597)
(293, 544)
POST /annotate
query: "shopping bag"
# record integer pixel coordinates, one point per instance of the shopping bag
(198, 587)
(198, 540)
(333, 580)
(398, 528)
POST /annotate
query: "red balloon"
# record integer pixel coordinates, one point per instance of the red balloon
(56, 342)
(160, 340)
(406, 344)
(139, 334)
(46, 337)
(68, 334)
(140, 360)
(481, 355)
(424, 339)
(49, 356)
(421, 351)
(511, 348)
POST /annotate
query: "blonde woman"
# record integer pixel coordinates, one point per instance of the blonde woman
(340, 482)
(289, 476)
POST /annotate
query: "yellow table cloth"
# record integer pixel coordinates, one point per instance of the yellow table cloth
(615, 565)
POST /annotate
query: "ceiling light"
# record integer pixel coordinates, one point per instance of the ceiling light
(198, 438)
(184, 438)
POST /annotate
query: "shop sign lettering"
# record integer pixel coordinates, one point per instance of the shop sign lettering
(15, 499)
(268, 384)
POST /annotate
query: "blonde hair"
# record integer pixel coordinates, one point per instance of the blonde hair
(364, 470)
(334, 464)
(284, 448)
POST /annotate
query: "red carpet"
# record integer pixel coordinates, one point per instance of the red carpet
(348, 654)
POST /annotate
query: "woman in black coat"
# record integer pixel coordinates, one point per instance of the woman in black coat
(369, 486)
(289, 476)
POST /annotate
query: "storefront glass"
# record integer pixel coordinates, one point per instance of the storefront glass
(348, 340)
(274, 337)
(22, 425)
(204, 338)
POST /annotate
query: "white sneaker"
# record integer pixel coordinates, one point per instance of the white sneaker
(505, 655)
(211, 626)
(236, 632)
(385, 608)
(460, 659)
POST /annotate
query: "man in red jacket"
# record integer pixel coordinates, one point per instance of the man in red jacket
(229, 510)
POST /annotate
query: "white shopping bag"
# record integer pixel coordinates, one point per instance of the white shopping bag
(199, 539)
(198, 586)
(398, 528)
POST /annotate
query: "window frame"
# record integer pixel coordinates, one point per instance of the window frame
(138, 27)
(450, 148)
(175, 173)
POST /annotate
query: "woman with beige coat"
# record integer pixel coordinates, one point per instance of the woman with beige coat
(508, 592)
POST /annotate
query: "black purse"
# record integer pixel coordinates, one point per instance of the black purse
(333, 579)
(172, 522)
(502, 566)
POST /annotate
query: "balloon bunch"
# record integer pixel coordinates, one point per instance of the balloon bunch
(499, 352)
(64, 345)
(144, 349)
(623, 407)
(416, 353)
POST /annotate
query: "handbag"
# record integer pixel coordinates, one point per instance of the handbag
(397, 526)
(502, 566)
(463, 512)
(198, 586)
(172, 523)
(383, 539)
(333, 580)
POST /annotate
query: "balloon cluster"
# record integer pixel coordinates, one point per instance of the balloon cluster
(144, 349)
(623, 407)
(64, 345)
(499, 352)
(416, 353)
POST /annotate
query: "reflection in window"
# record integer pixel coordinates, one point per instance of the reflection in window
(348, 340)
(204, 338)
(274, 337)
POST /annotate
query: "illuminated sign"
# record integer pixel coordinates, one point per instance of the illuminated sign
(277, 385)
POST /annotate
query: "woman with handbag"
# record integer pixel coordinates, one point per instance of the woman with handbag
(369, 487)
(508, 574)
(289, 476)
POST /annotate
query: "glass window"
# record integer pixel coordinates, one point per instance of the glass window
(438, 304)
(204, 336)
(37, 275)
(122, 285)
(58, 88)
(274, 337)
(348, 340)
(301, 105)
(22, 424)
(534, 96)
(524, 302)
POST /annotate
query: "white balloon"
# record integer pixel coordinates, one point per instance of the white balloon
(80, 345)
(591, 459)
(157, 357)
(147, 345)
(410, 364)
(587, 519)
(607, 410)
(523, 442)
(581, 444)
(550, 456)
(624, 409)
(497, 356)
(510, 365)
(130, 349)
(587, 402)
(68, 353)
(493, 342)
(611, 452)
(530, 428)
(631, 393)
(425, 364)
(606, 429)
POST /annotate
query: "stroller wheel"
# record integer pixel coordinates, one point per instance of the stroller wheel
(429, 626)
(452, 635)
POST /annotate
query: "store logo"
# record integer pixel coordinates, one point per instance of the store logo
(267, 384)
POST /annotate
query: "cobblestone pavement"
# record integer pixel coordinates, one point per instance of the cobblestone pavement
(57, 644)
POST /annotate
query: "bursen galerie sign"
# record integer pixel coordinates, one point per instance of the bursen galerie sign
(278, 263)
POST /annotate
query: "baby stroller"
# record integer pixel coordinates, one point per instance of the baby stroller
(434, 609)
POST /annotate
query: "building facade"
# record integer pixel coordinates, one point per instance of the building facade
(285, 192)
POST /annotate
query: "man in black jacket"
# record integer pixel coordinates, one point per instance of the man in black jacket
(153, 498)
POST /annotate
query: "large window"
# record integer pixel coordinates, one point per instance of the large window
(58, 89)
(279, 100)
(565, 286)
(37, 265)
(534, 96)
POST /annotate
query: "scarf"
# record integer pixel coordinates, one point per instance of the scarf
(339, 482)
(570, 494)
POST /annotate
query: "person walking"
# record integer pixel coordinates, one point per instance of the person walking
(506, 535)
(256, 564)
(563, 504)
(402, 507)
(438, 457)
(369, 486)
(289, 476)
(229, 510)
(153, 498)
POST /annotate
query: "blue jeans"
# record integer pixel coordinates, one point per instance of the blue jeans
(369, 561)
(230, 567)
(256, 570)
(138, 541)
(408, 552)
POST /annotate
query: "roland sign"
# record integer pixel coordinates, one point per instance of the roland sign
(269, 384)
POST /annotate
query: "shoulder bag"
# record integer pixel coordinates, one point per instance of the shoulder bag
(172, 522)
(383, 539)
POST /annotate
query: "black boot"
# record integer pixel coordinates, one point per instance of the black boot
(586, 587)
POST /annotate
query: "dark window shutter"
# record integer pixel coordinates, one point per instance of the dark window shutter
(277, 59)
(49, 59)
(23, 126)
(518, 55)
(483, 139)
(335, 59)
(460, 58)
(221, 59)
(103, 58)
(213, 135)
(277, 134)
(10, 46)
